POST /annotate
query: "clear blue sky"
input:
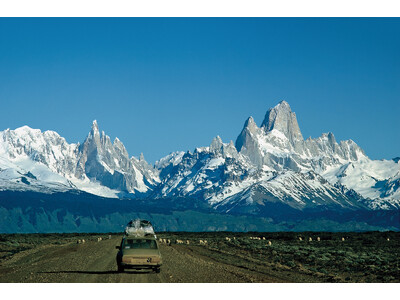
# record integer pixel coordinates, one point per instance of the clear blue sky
(162, 85)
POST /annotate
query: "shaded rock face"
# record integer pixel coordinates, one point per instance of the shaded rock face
(109, 163)
(284, 120)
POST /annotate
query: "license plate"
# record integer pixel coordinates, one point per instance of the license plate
(139, 261)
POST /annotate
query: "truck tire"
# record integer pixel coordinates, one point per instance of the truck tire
(121, 269)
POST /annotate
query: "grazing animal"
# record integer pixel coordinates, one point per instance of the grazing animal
(187, 242)
(109, 236)
(310, 239)
(269, 243)
(318, 239)
(83, 241)
(78, 241)
(264, 238)
(388, 239)
(300, 238)
(228, 239)
(343, 239)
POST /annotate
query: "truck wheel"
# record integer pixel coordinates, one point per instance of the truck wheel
(120, 268)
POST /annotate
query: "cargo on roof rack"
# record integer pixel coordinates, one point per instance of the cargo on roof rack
(139, 227)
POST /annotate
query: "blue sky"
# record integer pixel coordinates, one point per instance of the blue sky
(163, 85)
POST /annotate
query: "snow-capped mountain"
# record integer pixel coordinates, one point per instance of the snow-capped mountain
(279, 144)
(43, 161)
(268, 166)
(274, 164)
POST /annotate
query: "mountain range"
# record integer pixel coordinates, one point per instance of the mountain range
(271, 173)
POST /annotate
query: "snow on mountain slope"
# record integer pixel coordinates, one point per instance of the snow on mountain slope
(228, 180)
(293, 189)
(97, 166)
(173, 158)
(278, 144)
(279, 164)
(373, 179)
(26, 175)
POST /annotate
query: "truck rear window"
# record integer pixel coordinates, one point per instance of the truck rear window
(139, 244)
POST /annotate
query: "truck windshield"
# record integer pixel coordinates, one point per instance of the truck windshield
(139, 244)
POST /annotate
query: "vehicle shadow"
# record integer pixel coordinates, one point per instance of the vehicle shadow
(98, 272)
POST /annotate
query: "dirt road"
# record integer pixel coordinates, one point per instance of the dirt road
(95, 262)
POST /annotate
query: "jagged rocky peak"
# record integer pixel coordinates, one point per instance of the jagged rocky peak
(109, 164)
(216, 144)
(120, 148)
(250, 129)
(284, 120)
(95, 126)
(250, 125)
(219, 148)
(95, 130)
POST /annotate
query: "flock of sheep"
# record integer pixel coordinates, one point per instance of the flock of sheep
(98, 239)
(229, 239)
(204, 242)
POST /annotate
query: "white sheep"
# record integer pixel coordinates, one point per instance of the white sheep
(83, 241)
(300, 238)
(269, 243)
(343, 239)
(388, 239)
(310, 239)
(263, 238)
(187, 242)
(78, 241)
(318, 239)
